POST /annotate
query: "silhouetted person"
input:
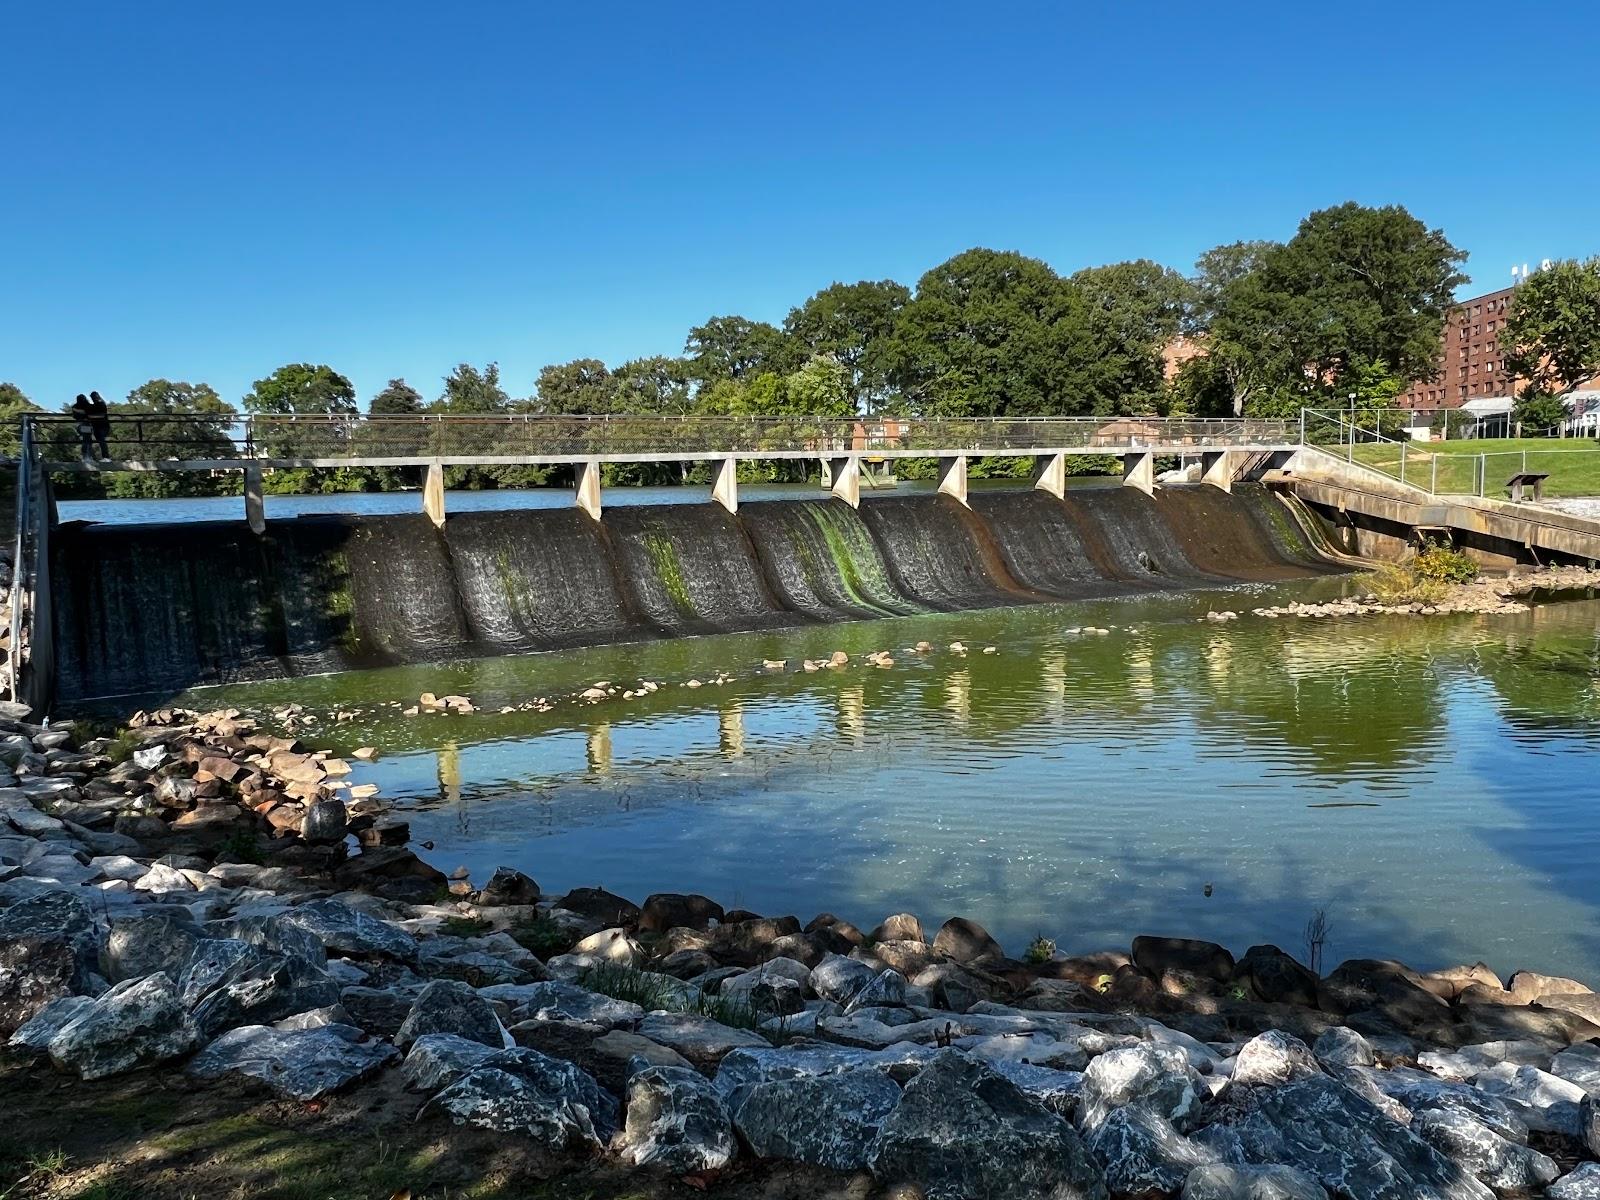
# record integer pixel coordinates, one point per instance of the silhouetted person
(83, 422)
(100, 424)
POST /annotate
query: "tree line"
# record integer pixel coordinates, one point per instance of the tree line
(1352, 304)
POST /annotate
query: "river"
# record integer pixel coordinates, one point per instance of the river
(1427, 783)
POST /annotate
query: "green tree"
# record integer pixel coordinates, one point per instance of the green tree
(1355, 287)
(302, 388)
(995, 333)
(658, 384)
(853, 324)
(1539, 412)
(581, 386)
(823, 387)
(469, 390)
(1552, 333)
(398, 399)
(737, 348)
(163, 418)
(13, 403)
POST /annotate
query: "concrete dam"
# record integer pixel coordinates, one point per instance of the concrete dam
(152, 608)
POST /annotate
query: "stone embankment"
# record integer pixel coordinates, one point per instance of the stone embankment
(1483, 595)
(220, 907)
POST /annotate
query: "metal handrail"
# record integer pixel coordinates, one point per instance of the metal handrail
(141, 437)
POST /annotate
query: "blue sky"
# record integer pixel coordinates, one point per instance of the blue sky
(205, 191)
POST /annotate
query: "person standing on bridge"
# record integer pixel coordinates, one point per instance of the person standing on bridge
(83, 423)
(100, 424)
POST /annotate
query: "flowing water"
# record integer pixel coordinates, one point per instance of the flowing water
(1429, 783)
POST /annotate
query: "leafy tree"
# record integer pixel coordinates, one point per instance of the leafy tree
(658, 384)
(398, 399)
(13, 403)
(581, 386)
(1216, 272)
(979, 339)
(1139, 302)
(172, 420)
(302, 388)
(1354, 287)
(822, 388)
(1373, 285)
(1552, 333)
(853, 324)
(1538, 412)
(469, 390)
(737, 348)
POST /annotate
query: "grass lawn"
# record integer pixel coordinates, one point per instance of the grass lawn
(1573, 464)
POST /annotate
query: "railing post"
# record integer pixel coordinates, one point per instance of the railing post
(1433, 479)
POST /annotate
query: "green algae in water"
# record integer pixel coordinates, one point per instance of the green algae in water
(855, 559)
(341, 602)
(665, 560)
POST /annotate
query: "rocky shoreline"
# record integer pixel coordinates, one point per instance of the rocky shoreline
(1486, 595)
(202, 900)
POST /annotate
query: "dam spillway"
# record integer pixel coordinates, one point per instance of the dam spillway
(152, 608)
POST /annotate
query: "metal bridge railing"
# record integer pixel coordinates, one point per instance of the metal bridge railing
(156, 438)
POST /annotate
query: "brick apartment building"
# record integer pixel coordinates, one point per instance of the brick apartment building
(1471, 363)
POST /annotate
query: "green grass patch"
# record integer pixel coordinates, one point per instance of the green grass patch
(1573, 464)
(465, 926)
(542, 936)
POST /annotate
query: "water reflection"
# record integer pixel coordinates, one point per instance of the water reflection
(1429, 782)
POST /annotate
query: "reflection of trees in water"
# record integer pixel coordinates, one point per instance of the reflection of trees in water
(1332, 697)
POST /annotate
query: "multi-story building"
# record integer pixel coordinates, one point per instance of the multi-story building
(1471, 364)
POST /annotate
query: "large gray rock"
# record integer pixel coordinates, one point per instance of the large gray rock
(1583, 1183)
(826, 1120)
(347, 930)
(1544, 1101)
(1580, 1065)
(35, 1033)
(445, 1006)
(1589, 1124)
(1503, 1165)
(1139, 1152)
(226, 983)
(275, 933)
(1273, 1058)
(1151, 1076)
(1417, 1092)
(303, 1064)
(887, 989)
(325, 822)
(1225, 1181)
(557, 1001)
(140, 945)
(676, 1121)
(48, 945)
(1341, 1046)
(742, 1069)
(960, 1131)
(701, 1040)
(135, 1024)
(1321, 1127)
(838, 978)
(1059, 1091)
(377, 1010)
(523, 1091)
(437, 1060)
(1470, 1061)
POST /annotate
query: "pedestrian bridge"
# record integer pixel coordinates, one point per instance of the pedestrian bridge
(256, 444)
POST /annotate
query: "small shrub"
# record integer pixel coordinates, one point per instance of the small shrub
(542, 936)
(1399, 583)
(465, 926)
(1040, 950)
(123, 745)
(1437, 561)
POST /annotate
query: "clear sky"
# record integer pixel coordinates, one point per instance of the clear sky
(206, 191)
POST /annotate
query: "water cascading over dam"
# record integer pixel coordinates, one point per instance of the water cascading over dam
(152, 608)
